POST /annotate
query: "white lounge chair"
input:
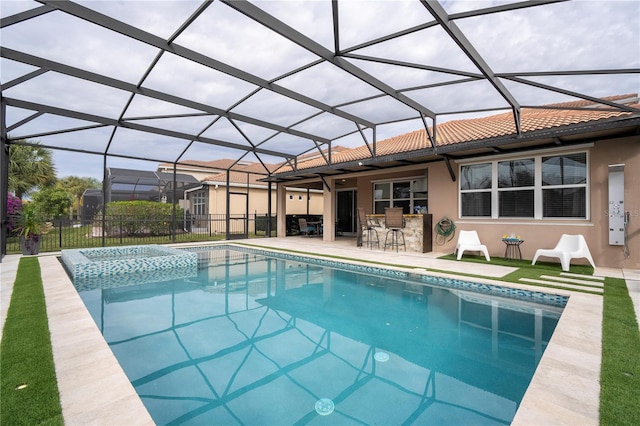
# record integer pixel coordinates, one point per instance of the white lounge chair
(469, 241)
(569, 247)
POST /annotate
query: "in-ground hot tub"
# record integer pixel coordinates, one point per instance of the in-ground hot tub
(98, 263)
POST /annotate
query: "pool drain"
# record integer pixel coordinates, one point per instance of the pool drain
(381, 356)
(325, 406)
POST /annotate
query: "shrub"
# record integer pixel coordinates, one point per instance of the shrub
(136, 218)
(14, 207)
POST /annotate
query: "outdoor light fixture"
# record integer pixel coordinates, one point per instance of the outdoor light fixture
(381, 356)
(325, 406)
(359, 163)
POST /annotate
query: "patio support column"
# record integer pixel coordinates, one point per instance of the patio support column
(281, 210)
(329, 210)
(105, 199)
(268, 224)
(174, 201)
(4, 178)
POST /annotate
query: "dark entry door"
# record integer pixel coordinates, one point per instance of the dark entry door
(346, 211)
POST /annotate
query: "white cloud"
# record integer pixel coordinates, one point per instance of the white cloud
(78, 164)
(275, 108)
(362, 21)
(311, 18)
(228, 36)
(562, 36)
(190, 80)
(134, 143)
(328, 84)
(161, 18)
(62, 38)
(71, 93)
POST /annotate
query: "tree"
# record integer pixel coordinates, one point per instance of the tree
(30, 167)
(52, 201)
(75, 187)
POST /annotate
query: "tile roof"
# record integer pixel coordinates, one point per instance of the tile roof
(235, 178)
(223, 164)
(475, 129)
(215, 164)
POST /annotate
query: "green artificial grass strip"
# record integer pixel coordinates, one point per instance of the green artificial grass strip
(546, 268)
(526, 270)
(27, 358)
(620, 374)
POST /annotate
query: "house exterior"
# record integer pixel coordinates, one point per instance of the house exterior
(573, 168)
(247, 194)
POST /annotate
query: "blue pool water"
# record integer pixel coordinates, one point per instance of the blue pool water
(259, 340)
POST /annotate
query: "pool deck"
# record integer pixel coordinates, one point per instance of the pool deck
(94, 389)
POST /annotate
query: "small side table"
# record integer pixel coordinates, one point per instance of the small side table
(512, 251)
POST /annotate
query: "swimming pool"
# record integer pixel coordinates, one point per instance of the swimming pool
(255, 339)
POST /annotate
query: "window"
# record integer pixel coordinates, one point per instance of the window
(564, 186)
(411, 195)
(475, 190)
(516, 188)
(199, 200)
(553, 186)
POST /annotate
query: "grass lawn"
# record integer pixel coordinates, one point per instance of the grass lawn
(620, 376)
(28, 380)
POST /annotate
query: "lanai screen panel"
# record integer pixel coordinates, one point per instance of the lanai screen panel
(175, 81)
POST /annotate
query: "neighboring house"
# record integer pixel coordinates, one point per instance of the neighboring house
(552, 178)
(248, 195)
(130, 185)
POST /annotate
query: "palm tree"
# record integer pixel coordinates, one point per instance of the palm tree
(30, 167)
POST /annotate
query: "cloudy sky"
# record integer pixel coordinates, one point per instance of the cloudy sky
(558, 37)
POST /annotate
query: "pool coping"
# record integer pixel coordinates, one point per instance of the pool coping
(564, 390)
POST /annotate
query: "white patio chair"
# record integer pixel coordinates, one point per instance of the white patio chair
(569, 247)
(469, 241)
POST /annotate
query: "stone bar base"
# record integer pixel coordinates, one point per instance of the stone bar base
(417, 231)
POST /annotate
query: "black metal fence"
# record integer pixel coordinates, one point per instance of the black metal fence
(68, 233)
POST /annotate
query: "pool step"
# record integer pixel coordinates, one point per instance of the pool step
(568, 283)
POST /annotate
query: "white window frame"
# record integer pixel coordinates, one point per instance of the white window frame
(538, 188)
(199, 200)
(495, 203)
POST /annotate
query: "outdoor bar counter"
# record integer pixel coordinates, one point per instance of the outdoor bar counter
(417, 230)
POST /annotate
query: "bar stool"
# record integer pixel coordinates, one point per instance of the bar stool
(367, 230)
(394, 222)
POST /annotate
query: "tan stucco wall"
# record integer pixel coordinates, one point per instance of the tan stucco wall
(603, 155)
(297, 202)
(443, 202)
(546, 233)
(258, 200)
